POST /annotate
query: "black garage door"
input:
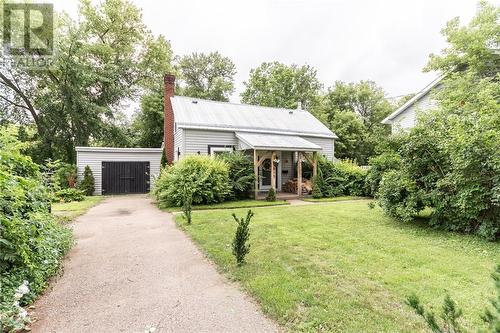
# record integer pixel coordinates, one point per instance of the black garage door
(125, 177)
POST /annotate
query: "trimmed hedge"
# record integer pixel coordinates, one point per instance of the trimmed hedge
(206, 177)
(339, 178)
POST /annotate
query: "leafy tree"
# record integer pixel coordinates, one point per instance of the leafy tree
(208, 76)
(100, 60)
(278, 85)
(241, 236)
(148, 121)
(354, 111)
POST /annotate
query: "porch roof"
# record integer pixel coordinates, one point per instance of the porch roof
(276, 142)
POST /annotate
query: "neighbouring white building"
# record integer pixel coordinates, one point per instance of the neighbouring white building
(405, 117)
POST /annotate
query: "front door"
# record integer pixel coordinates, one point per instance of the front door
(265, 174)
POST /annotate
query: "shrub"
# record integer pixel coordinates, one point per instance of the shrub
(241, 174)
(69, 195)
(187, 204)
(32, 242)
(271, 195)
(316, 190)
(340, 178)
(87, 185)
(399, 196)
(163, 161)
(65, 175)
(241, 236)
(206, 177)
(379, 165)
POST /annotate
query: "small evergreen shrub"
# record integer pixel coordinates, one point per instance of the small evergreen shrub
(163, 161)
(69, 195)
(271, 195)
(187, 204)
(87, 184)
(241, 174)
(316, 189)
(241, 236)
(65, 175)
(206, 177)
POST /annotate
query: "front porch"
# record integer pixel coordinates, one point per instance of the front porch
(278, 163)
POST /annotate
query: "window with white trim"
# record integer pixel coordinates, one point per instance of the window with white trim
(214, 151)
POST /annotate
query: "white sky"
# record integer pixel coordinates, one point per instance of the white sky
(384, 41)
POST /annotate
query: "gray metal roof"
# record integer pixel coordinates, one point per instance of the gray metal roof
(198, 113)
(411, 101)
(276, 141)
(118, 150)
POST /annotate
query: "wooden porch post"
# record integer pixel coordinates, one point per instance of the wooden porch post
(315, 164)
(273, 171)
(299, 173)
(256, 172)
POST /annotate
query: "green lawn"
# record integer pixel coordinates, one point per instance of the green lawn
(232, 204)
(346, 268)
(342, 198)
(70, 210)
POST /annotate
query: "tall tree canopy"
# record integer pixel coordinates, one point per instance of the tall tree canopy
(353, 111)
(100, 60)
(207, 76)
(277, 85)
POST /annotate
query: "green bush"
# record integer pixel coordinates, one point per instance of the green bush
(206, 177)
(378, 166)
(87, 185)
(241, 236)
(32, 242)
(65, 175)
(340, 178)
(271, 195)
(316, 188)
(69, 195)
(241, 174)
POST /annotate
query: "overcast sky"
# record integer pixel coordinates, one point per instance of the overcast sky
(384, 41)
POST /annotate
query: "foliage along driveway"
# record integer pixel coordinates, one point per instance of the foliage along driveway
(132, 270)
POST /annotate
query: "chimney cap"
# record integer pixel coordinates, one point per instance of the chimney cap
(169, 78)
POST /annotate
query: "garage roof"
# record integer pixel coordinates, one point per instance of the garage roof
(119, 150)
(275, 141)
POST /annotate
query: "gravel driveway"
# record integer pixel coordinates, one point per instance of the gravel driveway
(132, 270)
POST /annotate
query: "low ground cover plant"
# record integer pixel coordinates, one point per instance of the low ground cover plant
(69, 195)
(32, 242)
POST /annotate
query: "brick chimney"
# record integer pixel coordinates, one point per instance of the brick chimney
(168, 122)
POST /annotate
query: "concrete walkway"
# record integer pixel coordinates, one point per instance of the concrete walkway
(132, 270)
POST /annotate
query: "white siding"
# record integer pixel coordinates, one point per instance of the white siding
(198, 140)
(327, 145)
(178, 143)
(94, 160)
(407, 119)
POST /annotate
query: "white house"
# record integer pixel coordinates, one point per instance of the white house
(405, 117)
(276, 139)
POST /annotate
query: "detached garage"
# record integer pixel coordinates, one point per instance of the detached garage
(120, 170)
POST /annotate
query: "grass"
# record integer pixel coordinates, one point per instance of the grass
(231, 204)
(342, 198)
(348, 268)
(68, 211)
